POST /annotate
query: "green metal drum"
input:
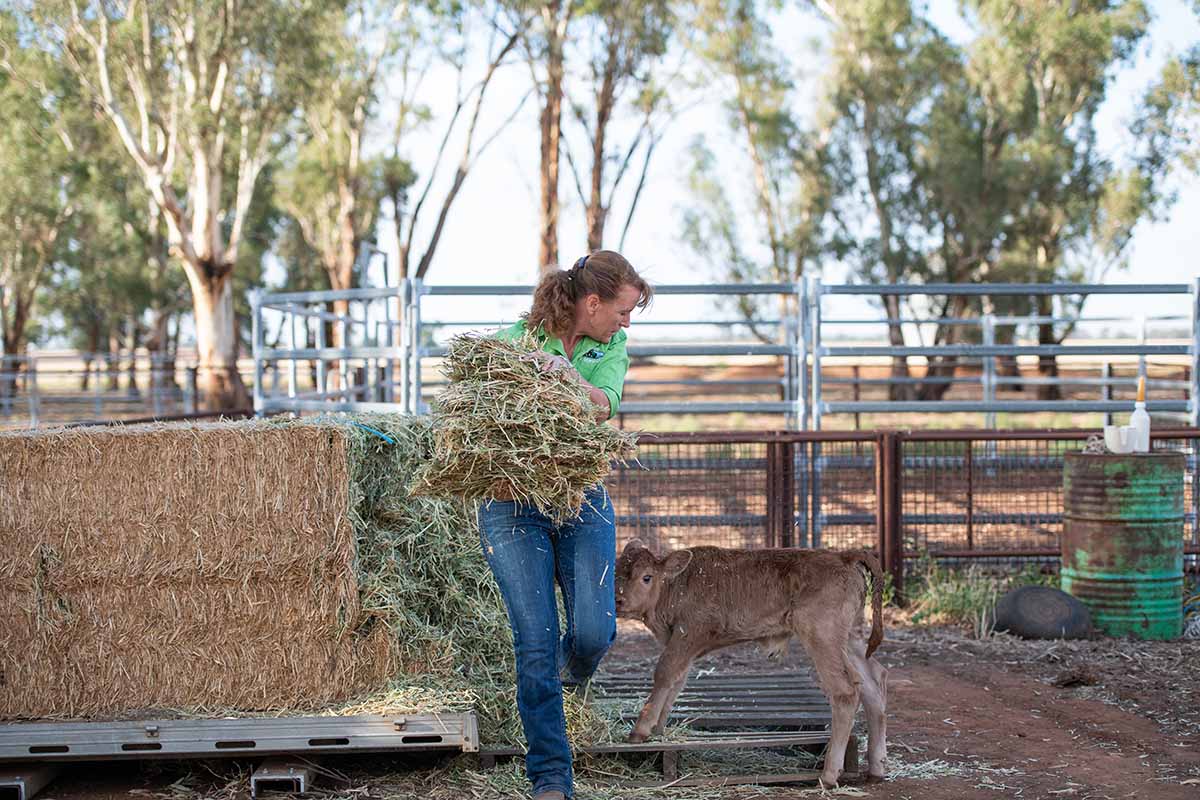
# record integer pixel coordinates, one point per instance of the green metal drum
(1122, 541)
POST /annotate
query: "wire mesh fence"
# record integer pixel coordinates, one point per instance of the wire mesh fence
(977, 496)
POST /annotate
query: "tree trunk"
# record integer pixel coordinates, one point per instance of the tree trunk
(897, 391)
(597, 213)
(112, 380)
(93, 346)
(944, 366)
(1047, 365)
(216, 344)
(551, 125)
(160, 352)
(339, 266)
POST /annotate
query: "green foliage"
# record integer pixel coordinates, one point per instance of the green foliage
(786, 229)
(938, 594)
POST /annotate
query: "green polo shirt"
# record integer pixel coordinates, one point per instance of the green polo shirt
(602, 365)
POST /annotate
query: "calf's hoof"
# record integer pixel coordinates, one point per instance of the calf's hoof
(829, 780)
(876, 777)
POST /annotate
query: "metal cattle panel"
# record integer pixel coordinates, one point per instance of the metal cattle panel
(731, 701)
(190, 738)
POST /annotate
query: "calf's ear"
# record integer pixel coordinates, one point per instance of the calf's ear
(676, 563)
(634, 544)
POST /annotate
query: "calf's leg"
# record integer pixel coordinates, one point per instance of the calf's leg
(839, 680)
(669, 702)
(669, 673)
(873, 676)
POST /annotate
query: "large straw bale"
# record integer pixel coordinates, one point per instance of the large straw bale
(181, 566)
(205, 500)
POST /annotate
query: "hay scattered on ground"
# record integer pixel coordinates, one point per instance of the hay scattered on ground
(506, 428)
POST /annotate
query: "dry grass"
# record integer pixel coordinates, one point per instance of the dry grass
(507, 428)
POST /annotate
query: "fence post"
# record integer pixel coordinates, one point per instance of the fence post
(98, 389)
(403, 343)
(415, 346)
(887, 515)
(815, 323)
(293, 377)
(857, 395)
(773, 534)
(1106, 389)
(256, 345)
(989, 368)
(1194, 400)
(805, 334)
(787, 498)
(320, 378)
(34, 400)
(191, 395)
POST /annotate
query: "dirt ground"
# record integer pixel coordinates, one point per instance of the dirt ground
(967, 718)
(1004, 717)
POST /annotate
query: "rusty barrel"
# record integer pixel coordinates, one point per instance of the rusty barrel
(1122, 542)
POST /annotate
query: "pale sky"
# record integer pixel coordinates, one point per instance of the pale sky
(491, 234)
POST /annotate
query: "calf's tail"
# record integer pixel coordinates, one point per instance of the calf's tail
(868, 559)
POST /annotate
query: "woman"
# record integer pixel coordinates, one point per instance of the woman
(578, 315)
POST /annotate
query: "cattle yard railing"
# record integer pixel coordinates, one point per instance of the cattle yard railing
(378, 349)
(960, 496)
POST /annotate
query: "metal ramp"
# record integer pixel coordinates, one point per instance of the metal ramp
(244, 737)
(725, 711)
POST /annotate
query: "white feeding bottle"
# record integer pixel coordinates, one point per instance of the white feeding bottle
(1140, 420)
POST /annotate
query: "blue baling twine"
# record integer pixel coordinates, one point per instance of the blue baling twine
(380, 434)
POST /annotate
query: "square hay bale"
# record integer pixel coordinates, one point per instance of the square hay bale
(259, 566)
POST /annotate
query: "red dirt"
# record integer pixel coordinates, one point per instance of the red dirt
(986, 720)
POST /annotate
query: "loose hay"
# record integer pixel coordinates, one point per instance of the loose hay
(506, 428)
(253, 567)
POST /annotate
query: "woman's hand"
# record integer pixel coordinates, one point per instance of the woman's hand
(551, 362)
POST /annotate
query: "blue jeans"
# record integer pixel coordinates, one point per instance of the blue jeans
(528, 555)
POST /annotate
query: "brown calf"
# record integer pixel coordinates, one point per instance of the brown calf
(701, 599)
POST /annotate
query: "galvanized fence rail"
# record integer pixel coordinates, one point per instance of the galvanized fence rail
(376, 352)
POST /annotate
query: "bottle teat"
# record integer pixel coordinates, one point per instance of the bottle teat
(1141, 393)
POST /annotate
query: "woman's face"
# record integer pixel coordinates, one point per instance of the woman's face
(600, 319)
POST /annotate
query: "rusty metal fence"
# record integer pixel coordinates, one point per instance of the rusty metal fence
(951, 495)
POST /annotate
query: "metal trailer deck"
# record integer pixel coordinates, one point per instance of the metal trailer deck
(31, 752)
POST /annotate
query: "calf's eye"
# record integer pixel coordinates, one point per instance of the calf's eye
(646, 578)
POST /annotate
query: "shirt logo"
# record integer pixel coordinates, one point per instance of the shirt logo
(595, 354)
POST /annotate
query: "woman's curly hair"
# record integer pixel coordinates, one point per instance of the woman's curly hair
(602, 273)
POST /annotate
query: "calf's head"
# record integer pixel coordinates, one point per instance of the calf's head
(641, 577)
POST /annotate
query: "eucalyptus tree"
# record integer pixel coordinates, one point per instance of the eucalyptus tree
(40, 169)
(786, 171)
(199, 95)
(622, 99)
(329, 183)
(475, 41)
(1043, 71)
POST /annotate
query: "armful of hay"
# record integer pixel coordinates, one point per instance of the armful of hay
(506, 429)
